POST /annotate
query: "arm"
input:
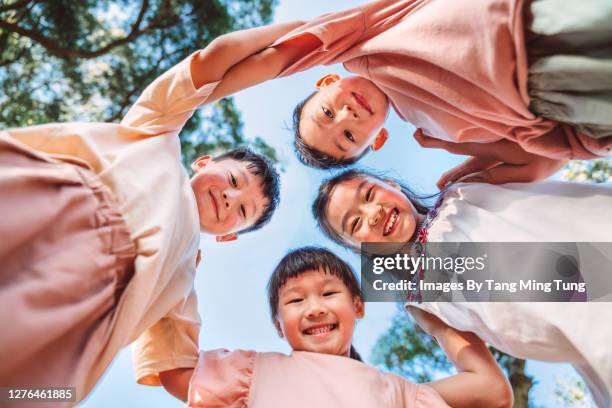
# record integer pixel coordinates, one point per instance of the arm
(264, 65)
(212, 63)
(176, 382)
(498, 162)
(170, 100)
(479, 382)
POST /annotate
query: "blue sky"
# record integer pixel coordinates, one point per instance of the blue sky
(231, 278)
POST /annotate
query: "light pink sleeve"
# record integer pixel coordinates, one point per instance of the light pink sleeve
(427, 397)
(342, 32)
(563, 141)
(222, 378)
(169, 101)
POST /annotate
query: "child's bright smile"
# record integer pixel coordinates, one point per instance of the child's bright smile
(214, 203)
(317, 313)
(391, 221)
(228, 195)
(361, 101)
(370, 210)
(320, 330)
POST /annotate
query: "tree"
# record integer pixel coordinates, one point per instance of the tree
(408, 351)
(572, 392)
(594, 171)
(88, 60)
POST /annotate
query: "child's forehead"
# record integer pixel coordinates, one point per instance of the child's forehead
(349, 186)
(317, 276)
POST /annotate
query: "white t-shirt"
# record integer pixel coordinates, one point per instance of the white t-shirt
(551, 211)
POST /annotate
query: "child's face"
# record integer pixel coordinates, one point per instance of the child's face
(343, 118)
(317, 313)
(229, 196)
(366, 209)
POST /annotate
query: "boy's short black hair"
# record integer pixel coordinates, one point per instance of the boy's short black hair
(258, 165)
(310, 258)
(310, 156)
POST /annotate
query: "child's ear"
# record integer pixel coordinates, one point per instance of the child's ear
(279, 330)
(359, 307)
(200, 163)
(327, 80)
(227, 237)
(380, 140)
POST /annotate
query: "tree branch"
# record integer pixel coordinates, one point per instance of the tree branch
(53, 49)
(126, 99)
(14, 6)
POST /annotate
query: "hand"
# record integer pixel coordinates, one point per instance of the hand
(477, 170)
(505, 151)
(498, 162)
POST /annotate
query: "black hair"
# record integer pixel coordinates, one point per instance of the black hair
(261, 166)
(305, 259)
(311, 156)
(321, 203)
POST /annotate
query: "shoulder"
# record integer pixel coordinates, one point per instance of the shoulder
(221, 378)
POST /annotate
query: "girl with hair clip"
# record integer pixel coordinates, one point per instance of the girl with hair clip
(359, 206)
(315, 300)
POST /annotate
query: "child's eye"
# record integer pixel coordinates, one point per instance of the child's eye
(354, 225)
(349, 136)
(296, 300)
(329, 293)
(369, 193)
(243, 210)
(233, 180)
(327, 112)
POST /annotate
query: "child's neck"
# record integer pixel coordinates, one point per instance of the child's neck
(420, 220)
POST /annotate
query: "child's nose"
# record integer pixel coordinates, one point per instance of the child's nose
(316, 310)
(227, 199)
(348, 112)
(376, 215)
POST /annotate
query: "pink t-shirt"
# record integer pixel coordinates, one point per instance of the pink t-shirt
(456, 68)
(240, 378)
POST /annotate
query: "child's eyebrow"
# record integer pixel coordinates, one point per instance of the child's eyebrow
(357, 194)
(243, 175)
(286, 291)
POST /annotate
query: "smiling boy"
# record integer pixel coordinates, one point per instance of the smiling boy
(99, 250)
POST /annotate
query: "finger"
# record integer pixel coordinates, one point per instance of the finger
(504, 173)
(428, 142)
(471, 165)
(537, 169)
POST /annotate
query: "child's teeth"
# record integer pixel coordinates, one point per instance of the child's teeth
(320, 330)
(391, 222)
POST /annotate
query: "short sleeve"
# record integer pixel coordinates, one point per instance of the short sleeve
(427, 397)
(563, 141)
(343, 33)
(338, 32)
(222, 378)
(169, 101)
(170, 343)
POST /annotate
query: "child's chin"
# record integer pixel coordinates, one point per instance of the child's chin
(207, 229)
